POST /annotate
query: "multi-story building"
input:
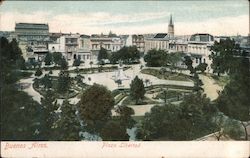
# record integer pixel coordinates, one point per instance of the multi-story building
(111, 43)
(164, 41)
(138, 41)
(159, 42)
(33, 39)
(72, 46)
(199, 47)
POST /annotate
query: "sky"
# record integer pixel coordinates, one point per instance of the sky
(224, 17)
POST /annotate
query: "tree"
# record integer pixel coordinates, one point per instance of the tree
(38, 72)
(197, 83)
(19, 112)
(137, 90)
(173, 59)
(57, 57)
(156, 58)
(95, 107)
(64, 64)
(103, 54)
(77, 62)
(63, 83)
(49, 116)
(189, 63)
(48, 59)
(47, 81)
(190, 120)
(126, 54)
(201, 67)
(234, 100)
(223, 53)
(125, 116)
(68, 126)
(114, 131)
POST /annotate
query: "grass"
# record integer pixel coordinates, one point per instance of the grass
(169, 94)
(96, 69)
(119, 97)
(145, 101)
(167, 75)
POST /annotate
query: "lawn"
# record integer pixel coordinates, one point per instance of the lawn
(166, 75)
(145, 101)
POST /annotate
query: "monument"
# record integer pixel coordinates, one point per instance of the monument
(119, 74)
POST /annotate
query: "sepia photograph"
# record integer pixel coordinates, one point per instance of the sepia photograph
(125, 78)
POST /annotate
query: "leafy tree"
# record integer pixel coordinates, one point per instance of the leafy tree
(48, 116)
(197, 83)
(156, 58)
(64, 64)
(234, 100)
(19, 115)
(201, 67)
(63, 83)
(137, 90)
(68, 126)
(48, 59)
(38, 72)
(77, 62)
(114, 131)
(126, 54)
(192, 119)
(95, 106)
(19, 112)
(189, 63)
(47, 82)
(125, 116)
(174, 58)
(57, 57)
(103, 54)
(223, 53)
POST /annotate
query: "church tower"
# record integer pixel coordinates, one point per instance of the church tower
(171, 28)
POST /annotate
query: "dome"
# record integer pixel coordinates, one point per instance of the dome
(202, 37)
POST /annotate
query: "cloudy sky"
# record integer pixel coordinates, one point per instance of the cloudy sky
(128, 17)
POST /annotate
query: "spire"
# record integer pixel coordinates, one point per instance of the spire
(171, 21)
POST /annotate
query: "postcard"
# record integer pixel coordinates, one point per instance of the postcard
(165, 79)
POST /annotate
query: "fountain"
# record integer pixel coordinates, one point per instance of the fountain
(119, 74)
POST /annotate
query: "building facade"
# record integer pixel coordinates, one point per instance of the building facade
(33, 39)
(159, 42)
(72, 46)
(199, 47)
(138, 41)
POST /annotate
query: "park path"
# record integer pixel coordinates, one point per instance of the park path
(30, 90)
(211, 89)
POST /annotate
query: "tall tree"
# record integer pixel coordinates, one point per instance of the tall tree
(234, 100)
(156, 58)
(68, 125)
(103, 54)
(48, 59)
(137, 90)
(63, 82)
(49, 116)
(223, 53)
(57, 56)
(95, 107)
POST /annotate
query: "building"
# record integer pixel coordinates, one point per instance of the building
(111, 43)
(33, 39)
(171, 28)
(72, 46)
(159, 42)
(199, 47)
(138, 41)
